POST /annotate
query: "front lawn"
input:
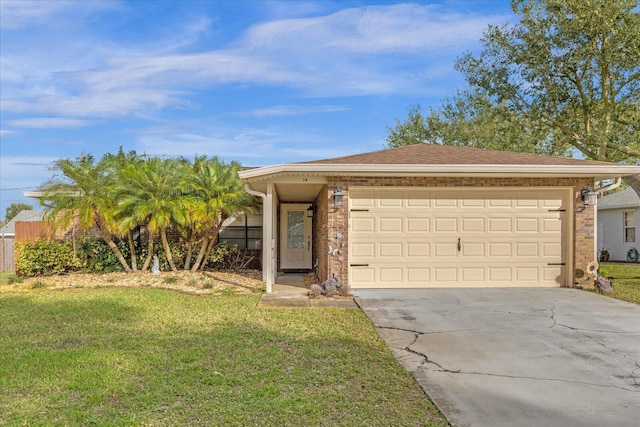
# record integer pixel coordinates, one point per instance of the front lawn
(626, 284)
(115, 356)
(7, 276)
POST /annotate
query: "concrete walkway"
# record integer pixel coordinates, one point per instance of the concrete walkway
(516, 357)
(290, 291)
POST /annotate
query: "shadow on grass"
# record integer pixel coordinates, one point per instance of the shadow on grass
(122, 357)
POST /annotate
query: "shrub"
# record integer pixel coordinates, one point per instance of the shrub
(315, 290)
(331, 290)
(98, 256)
(45, 258)
(14, 279)
(224, 257)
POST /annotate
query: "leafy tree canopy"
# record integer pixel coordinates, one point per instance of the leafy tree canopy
(14, 209)
(563, 80)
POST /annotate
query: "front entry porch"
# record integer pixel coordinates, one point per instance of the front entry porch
(292, 225)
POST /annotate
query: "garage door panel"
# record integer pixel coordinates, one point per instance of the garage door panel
(388, 250)
(473, 225)
(552, 250)
(473, 249)
(527, 274)
(418, 250)
(527, 225)
(472, 275)
(501, 275)
(410, 239)
(418, 225)
(363, 225)
(551, 225)
(527, 249)
(390, 225)
(497, 225)
(445, 225)
(363, 250)
(500, 249)
(418, 275)
(446, 275)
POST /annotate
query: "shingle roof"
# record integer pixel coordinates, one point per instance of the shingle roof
(22, 216)
(626, 198)
(434, 154)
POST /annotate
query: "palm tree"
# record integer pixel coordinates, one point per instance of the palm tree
(218, 194)
(153, 192)
(117, 163)
(81, 193)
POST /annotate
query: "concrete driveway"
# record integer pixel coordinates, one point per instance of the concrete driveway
(516, 357)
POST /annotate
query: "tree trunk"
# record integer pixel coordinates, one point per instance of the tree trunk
(167, 249)
(187, 261)
(106, 235)
(147, 261)
(633, 181)
(132, 249)
(203, 249)
(210, 246)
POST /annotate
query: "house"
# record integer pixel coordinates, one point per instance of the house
(431, 216)
(8, 236)
(618, 220)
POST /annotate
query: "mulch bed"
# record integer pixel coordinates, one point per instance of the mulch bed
(202, 283)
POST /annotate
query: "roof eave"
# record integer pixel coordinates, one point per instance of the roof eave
(511, 170)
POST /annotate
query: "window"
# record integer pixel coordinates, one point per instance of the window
(629, 224)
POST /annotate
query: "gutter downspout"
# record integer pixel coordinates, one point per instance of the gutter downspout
(267, 250)
(612, 186)
(599, 191)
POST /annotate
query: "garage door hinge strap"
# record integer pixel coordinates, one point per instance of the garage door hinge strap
(359, 210)
(557, 210)
(556, 263)
(358, 265)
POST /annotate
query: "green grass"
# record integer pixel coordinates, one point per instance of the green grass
(626, 284)
(6, 276)
(119, 357)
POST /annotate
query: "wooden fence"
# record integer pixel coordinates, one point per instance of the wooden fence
(24, 231)
(7, 256)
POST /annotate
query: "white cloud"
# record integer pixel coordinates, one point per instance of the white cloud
(48, 122)
(358, 51)
(23, 13)
(24, 171)
(6, 132)
(253, 147)
(292, 110)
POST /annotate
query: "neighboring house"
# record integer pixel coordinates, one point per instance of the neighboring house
(431, 216)
(619, 223)
(8, 237)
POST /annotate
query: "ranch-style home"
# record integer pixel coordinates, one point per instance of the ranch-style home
(618, 225)
(429, 215)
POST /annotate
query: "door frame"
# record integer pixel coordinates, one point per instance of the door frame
(306, 263)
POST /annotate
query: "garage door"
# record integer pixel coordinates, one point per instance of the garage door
(416, 237)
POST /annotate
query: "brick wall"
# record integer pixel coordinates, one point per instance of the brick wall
(320, 234)
(337, 218)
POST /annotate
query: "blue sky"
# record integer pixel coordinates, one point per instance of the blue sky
(260, 82)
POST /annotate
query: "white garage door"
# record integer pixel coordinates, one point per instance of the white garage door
(417, 237)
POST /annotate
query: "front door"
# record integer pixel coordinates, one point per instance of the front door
(295, 237)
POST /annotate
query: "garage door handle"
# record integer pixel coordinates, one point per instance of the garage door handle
(358, 265)
(555, 263)
(459, 246)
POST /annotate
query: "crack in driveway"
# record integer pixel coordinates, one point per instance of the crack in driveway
(426, 360)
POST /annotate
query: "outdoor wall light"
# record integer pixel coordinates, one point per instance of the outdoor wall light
(590, 198)
(310, 211)
(338, 198)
